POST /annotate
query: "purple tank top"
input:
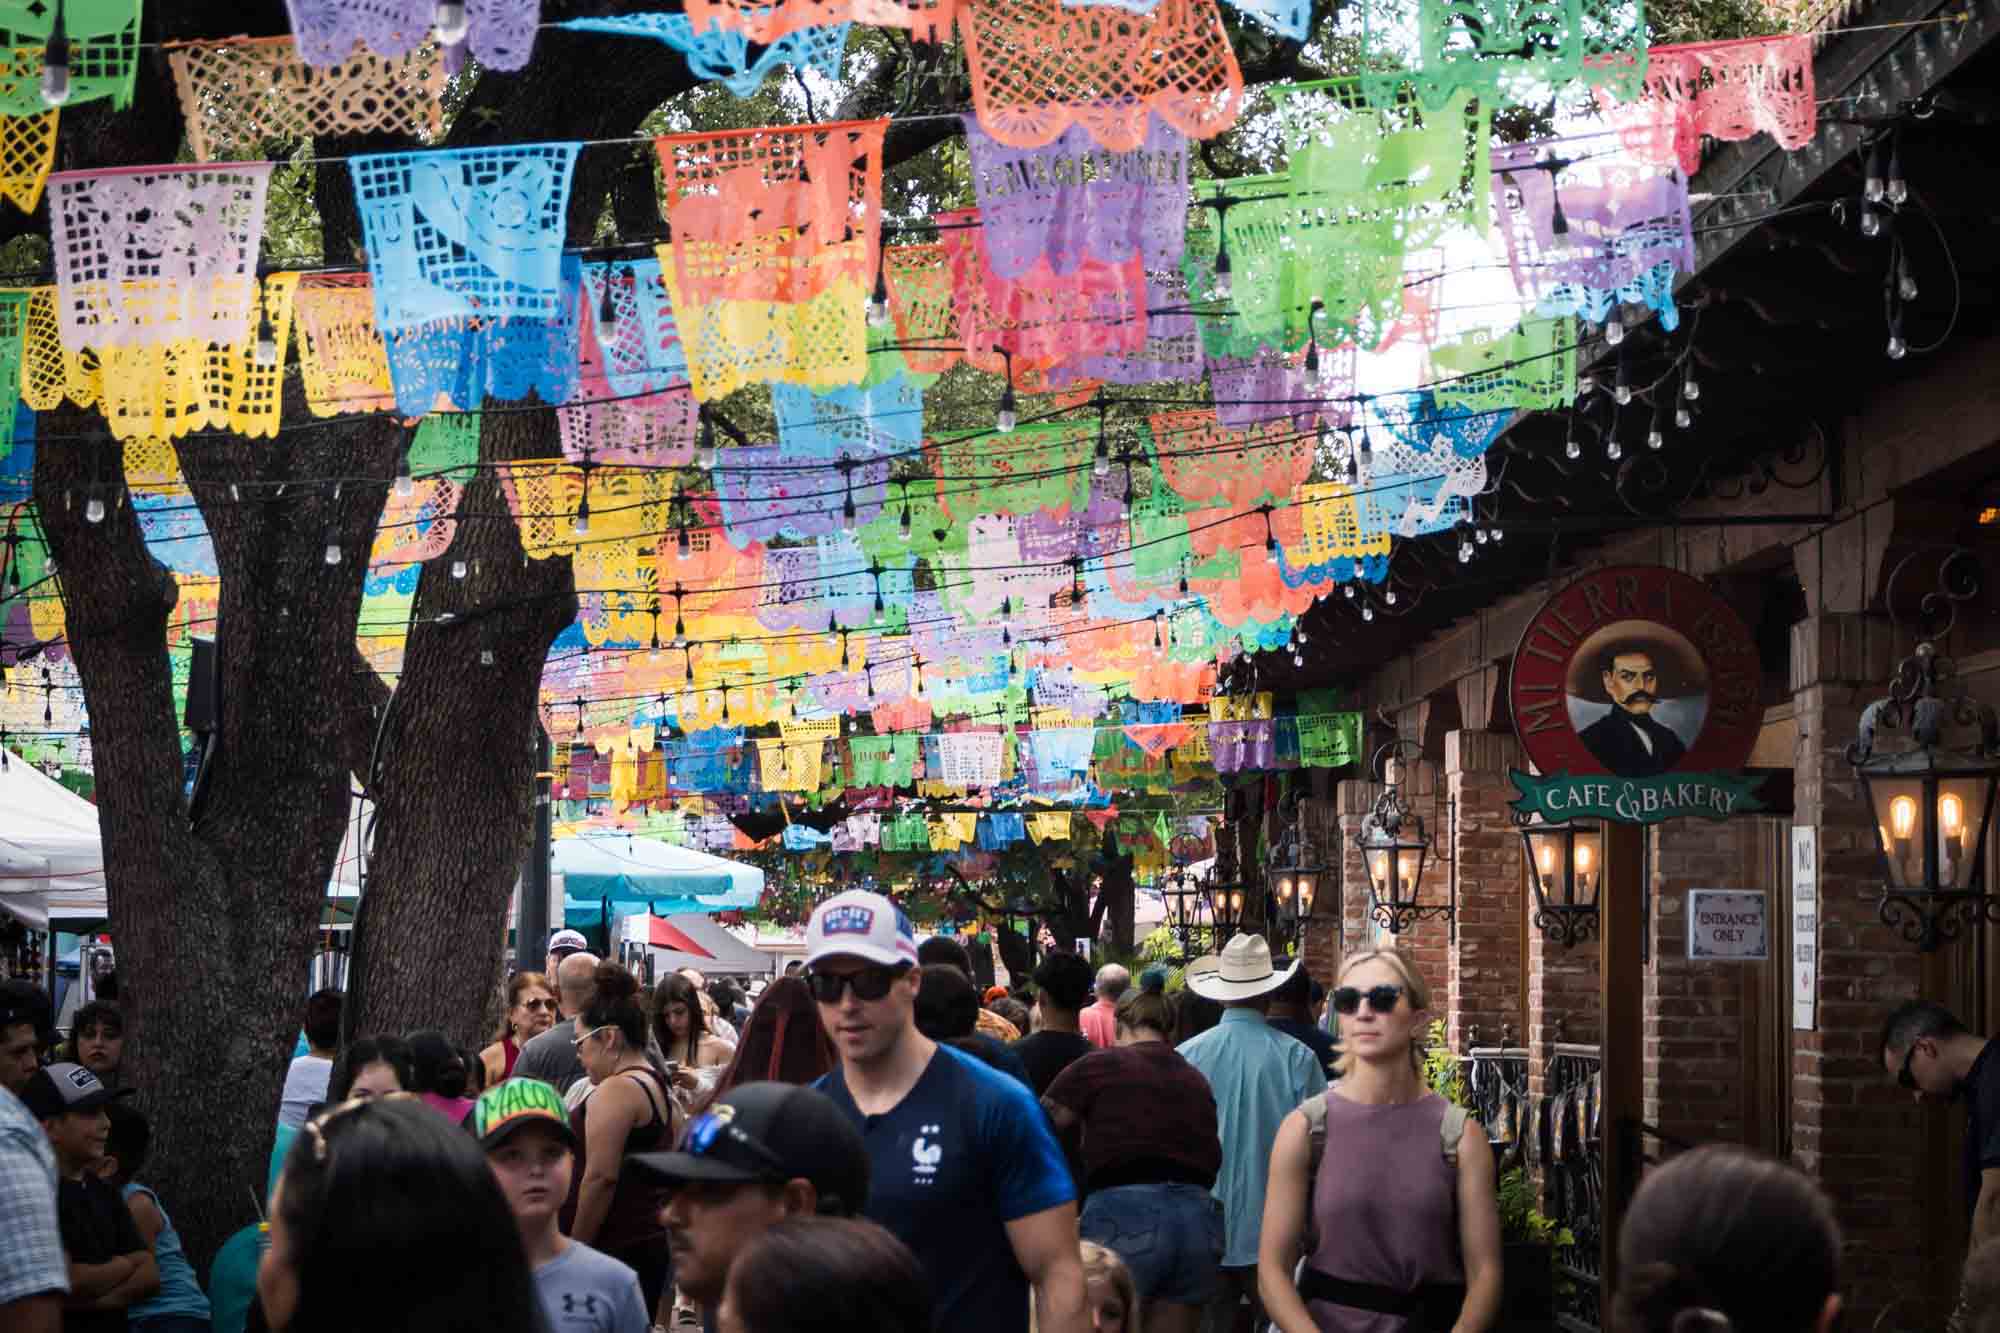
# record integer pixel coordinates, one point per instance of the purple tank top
(1385, 1204)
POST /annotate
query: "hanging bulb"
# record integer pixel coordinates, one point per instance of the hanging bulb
(683, 544)
(680, 629)
(332, 553)
(1683, 418)
(266, 353)
(583, 517)
(1871, 221)
(1898, 349)
(235, 495)
(1897, 190)
(878, 301)
(1222, 289)
(93, 510)
(1389, 594)
(406, 485)
(607, 309)
(903, 525)
(1100, 463)
(1613, 450)
(1655, 440)
(1297, 660)
(1464, 551)
(55, 62)
(1906, 283)
(1571, 449)
(1348, 588)
(1157, 641)
(1498, 534)
(1184, 578)
(1614, 330)
(486, 657)
(1873, 187)
(847, 513)
(846, 662)
(1621, 392)
(1004, 419)
(1367, 613)
(705, 455)
(458, 570)
(451, 24)
(1479, 535)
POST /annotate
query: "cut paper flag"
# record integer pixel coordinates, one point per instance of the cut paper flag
(472, 291)
(103, 50)
(1503, 51)
(342, 360)
(1038, 67)
(150, 256)
(27, 139)
(1724, 91)
(236, 94)
(1529, 368)
(775, 234)
(723, 54)
(1069, 200)
(500, 33)
(1329, 740)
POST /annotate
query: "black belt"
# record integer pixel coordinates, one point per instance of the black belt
(1433, 1306)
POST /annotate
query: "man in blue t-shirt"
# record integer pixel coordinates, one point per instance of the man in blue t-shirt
(963, 1166)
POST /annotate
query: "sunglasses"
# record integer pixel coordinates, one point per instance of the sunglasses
(577, 1042)
(538, 1004)
(870, 983)
(705, 1129)
(1382, 999)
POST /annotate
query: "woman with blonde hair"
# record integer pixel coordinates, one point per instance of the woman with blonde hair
(1401, 1220)
(531, 1011)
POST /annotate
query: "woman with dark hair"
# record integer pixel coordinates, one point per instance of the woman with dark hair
(826, 1275)
(1724, 1238)
(1151, 1152)
(373, 1067)
(389, 1219)
(1193, 1015)
(783, 1041)
(681, 1027)
(440, 1072)
(629, 1110)
(97, 1041)
(531, 1011)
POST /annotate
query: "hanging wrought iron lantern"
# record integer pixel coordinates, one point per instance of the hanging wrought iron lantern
(1394, 846)
(1566, 872)
(1933, 802)
(1184, 892)
(1294, 877)
(1225, 909)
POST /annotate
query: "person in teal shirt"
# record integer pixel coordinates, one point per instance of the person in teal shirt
(180, 1306)
(1259, 1076)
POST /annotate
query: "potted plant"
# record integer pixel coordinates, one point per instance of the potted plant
(1529, 1237)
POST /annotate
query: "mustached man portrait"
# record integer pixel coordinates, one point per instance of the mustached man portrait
(1638, 694)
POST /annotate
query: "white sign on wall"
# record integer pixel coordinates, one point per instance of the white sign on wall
(1727, 925)
(1805, 926)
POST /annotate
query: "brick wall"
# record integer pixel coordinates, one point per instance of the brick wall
(1485, 963)
(1694, 1088)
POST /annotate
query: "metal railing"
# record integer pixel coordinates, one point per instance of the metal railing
(1574, 1187)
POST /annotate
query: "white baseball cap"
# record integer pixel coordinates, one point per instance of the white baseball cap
(570, 940)
(859, 924)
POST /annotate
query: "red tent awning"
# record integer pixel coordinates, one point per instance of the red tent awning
(663, 934)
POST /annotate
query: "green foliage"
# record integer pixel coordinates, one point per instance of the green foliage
(1441, 1067)
(1521, 1222)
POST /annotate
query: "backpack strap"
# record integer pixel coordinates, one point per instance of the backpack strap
(1314, 1110)
(1451, 1130)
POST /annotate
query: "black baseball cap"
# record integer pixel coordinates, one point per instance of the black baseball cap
(772, 1132)
(66, 1087)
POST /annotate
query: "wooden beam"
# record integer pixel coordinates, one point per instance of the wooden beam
(1621, 974)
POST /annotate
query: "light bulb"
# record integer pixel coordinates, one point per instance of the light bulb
(1389, 596)
(1464, 552)
(486, 657)
(458, 569)
(1101, 464)
(55, 74)
(683, 545)
(1348, 588)
(1479, 535)
(583, 522)
(266, 353)
(1614, 330)
(1221, 290)
(705, 456)
(1898, 191)
(1871, 222)
(1367, 613)
(93, 510)
(1951, 814)
(1585, 857)
(1545, 859)
(1655, 440)
(1873, 188)
(1571, 449)
(1499, 534)
(1903, 816)
(1683, 418)
(1691, 387)
(1004, 419)
(1906, 287)
(1614, 451)
(1297, 660)
(332, 553)
(406, 485)
(1622, 395)
(1898, 349)
(451, 24)
(878, 314)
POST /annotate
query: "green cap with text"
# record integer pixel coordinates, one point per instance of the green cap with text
(514, 1105)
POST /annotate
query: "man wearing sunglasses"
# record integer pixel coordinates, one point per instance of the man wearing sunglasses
(963, 1167)
(764, 1152)
(1931, 1054)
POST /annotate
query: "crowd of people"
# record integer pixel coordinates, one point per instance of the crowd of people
(874, 1144)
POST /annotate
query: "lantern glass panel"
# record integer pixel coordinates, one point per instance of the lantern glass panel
(1900, 831)
(1964, 809)
(1587, 861)
(1409, 873)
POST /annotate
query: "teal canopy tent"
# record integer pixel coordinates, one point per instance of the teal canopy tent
(619, 874)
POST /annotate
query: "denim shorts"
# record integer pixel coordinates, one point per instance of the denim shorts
(1170, 1236)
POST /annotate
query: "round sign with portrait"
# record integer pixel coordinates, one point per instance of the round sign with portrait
(1633, 672)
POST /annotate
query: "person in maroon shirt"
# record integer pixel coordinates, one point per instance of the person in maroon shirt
(1151, 1152)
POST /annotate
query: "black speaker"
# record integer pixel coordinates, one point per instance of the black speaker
(204, 696)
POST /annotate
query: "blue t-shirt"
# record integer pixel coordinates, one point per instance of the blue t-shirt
(966, 1151)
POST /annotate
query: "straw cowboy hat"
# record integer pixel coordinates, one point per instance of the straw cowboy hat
(1680, 667)
(1242, 971)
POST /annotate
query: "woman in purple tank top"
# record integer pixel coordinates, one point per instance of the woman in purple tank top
(1407, 1233)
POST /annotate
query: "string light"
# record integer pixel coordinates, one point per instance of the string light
(878, 301)
(55, 61)
(458, 570)
(406, 484)
(266, 352)
(451, 23)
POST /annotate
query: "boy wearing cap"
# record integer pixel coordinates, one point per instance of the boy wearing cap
(963, 1167)
(111, 1267)
(525, 1131)
(764, 1152)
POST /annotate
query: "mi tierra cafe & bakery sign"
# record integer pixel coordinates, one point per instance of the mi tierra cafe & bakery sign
(1635, 695)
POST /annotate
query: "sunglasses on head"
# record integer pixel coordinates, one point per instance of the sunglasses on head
(705, 1129)
(578, 1042)
(870, 983)
(1382, 999)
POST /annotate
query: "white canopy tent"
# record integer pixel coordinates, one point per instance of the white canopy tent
(691, 939)
(51, 857)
